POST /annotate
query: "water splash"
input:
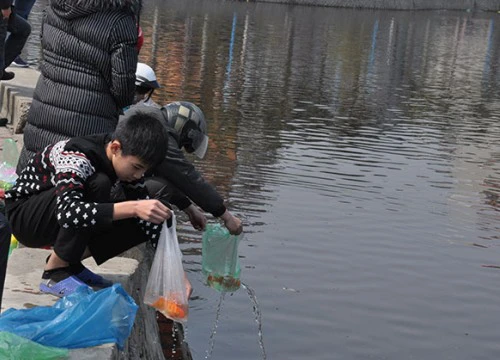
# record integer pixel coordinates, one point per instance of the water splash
(214, 328)
(258, 317)
(174, 340)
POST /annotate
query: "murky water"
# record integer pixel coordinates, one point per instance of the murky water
(361, 148)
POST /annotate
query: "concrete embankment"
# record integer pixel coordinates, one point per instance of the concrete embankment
(482, 5)
(25, 265)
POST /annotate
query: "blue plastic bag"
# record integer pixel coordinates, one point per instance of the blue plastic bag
(82, 319)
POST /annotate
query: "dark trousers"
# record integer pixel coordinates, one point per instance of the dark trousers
(35, 225)
(4, 251)
(23, 7)
(12, 45)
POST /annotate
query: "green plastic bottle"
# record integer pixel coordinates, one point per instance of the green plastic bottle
(10, 152)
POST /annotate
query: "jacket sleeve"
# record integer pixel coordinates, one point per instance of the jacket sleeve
(5, 4)
(123, 61)
(181, 173)
(72, 169)
(179, 199)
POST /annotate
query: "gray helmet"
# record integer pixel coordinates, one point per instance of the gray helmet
(189, 126)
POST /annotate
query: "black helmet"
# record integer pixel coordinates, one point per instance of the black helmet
(189, 126)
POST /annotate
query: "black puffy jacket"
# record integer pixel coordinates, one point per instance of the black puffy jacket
(87, 72)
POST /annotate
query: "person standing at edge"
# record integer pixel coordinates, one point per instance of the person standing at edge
(23, 9)
(89, 51)
(12, 45)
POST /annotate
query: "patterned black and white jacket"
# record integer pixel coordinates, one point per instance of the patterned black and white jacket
(66, 166)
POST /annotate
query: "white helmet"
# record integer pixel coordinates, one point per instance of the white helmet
(145, 77)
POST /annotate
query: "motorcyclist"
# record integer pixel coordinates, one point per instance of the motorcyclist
(145, 84)
(176, 179)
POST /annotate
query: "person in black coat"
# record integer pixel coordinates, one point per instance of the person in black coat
(176, 180)
(5, 234)
(11, 46)
(88, 68)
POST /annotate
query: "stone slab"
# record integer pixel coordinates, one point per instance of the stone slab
(16, 96)
(24, 272)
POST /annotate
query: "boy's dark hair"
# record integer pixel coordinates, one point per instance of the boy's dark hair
(141, 133)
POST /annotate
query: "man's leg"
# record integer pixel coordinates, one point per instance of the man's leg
(64, 271)
(3, 35)
(70, 244)
(5, 234)
(23, 7)
(35, 224)
(33, 221)
(19, 30)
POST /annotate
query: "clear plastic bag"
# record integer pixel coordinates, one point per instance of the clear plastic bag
(220, 263)
(166, 289)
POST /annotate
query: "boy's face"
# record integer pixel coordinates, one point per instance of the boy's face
(128, 168)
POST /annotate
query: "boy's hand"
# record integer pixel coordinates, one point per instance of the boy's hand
(232, 223)
(196, 217)
(153, 211)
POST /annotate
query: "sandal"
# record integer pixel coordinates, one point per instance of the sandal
(61, 288)
(92, 279)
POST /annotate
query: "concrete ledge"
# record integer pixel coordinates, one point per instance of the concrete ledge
(16, 96)
(21, 292)
(483, 5)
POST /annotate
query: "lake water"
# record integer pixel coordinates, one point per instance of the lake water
(361, 149)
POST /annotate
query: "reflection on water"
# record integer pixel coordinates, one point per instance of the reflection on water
(361, 150)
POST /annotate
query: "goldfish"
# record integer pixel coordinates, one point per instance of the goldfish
(170, 308)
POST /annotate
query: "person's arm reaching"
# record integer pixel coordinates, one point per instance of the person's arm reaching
(177, 170)
(196, 217)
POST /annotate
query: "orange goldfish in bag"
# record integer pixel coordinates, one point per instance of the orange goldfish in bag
(171, 309)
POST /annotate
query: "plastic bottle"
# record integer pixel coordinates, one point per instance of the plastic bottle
(13, 244)
(10, 152)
